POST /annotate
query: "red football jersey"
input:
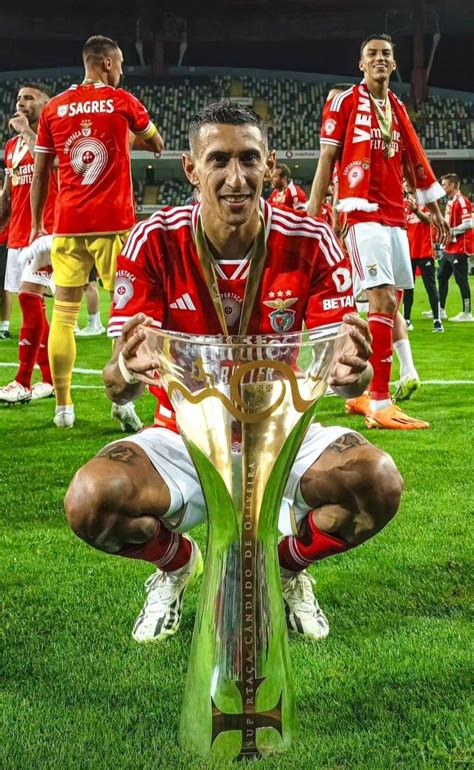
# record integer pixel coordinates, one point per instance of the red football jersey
(19, 164)
(291, 196)
(386, 174)
(327, 213)
(306, 278)
(419, 234)
(458, 211)
(87, 127)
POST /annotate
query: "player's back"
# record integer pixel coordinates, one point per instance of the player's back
(87, 127)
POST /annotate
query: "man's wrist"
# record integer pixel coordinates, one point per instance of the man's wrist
(126, 373)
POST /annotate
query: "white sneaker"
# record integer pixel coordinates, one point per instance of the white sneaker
(462, 317)
(42, 390)
(14, 393)
(161, 614)
(90, 331)
(303, 613)
(429, 314)
(409, 325)
(406, 387)
(127, 416)
(64, 416)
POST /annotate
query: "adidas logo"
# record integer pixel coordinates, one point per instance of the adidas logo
(183, 303)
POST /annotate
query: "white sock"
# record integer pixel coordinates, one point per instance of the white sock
(5, 326)
(376, 406)
(403, 350)
(94, 319)
(68, 409)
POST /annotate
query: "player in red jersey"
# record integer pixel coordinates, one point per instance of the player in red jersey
(285, 192)
(128, 499)
(87, 128)
(421, 253)
(5, 299)
(30, 284)
(367, 128)
(456, 254)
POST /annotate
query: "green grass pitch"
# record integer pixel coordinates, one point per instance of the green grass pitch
(387, 689)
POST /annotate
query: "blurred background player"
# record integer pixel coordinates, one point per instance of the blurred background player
(285, 192)
(367, 129)
(420, 241)
(5, 298)
(30, 285)
(87, 127)
(94, 326)
(456, 254)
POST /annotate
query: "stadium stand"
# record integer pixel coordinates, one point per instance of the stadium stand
(292, 108)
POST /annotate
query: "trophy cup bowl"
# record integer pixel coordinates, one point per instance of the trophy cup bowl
(243, 406)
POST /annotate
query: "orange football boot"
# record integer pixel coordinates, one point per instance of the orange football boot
(359, 405)
(392, 418)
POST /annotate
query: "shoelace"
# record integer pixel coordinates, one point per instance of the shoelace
(299, 587)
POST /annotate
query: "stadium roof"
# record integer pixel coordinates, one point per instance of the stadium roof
(279, 34)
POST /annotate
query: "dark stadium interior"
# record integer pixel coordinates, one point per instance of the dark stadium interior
(306, 35)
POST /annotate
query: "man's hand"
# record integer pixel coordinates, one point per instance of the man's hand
(19, 122)
(138, 349)
(352, 371)
(442, 232)
(36, 232)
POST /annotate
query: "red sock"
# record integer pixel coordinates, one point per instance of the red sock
(166, 550)
(31, 333)
(297, 553)
(381, 328)
(42, 358)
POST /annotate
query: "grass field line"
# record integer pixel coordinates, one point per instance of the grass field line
(99, 372)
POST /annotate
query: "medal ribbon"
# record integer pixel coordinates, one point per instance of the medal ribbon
(257, 256)
(21, 148)
(384, 119)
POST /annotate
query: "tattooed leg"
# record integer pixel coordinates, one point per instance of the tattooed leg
(117, 498)
(353, 489)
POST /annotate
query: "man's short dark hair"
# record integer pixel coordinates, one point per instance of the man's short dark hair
(285, 172)
(99, 46)
(377, 36)
(225, 112)
(42, 87)
(452, 177)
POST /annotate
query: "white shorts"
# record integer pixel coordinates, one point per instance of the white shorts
(42, 277)
(13, 271)
(167, 452)
(38, 270)
(380, 255)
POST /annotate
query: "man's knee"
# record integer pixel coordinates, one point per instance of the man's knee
(379, 487)
(93, 503)
(383, 299)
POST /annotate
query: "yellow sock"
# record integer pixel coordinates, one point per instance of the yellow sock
(62, 348)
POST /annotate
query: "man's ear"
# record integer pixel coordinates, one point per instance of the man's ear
(361, 65)
(107, 63)
(189, 169)
(271, 160)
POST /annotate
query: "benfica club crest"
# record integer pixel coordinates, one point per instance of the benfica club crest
(282, 318)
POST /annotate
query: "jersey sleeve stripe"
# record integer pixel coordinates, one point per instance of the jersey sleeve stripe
(336, 103)
(334, 142)
(46, 150)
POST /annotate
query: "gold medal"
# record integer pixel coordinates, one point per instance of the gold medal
(15, 177)
(384, 119)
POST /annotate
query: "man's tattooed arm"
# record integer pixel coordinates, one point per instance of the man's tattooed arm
(347, 441)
